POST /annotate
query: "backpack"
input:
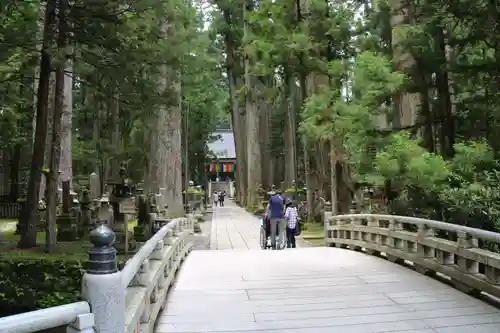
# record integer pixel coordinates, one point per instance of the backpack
(298, 228)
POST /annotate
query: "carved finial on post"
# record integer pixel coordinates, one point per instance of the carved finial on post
(102, 282)
(102, 257)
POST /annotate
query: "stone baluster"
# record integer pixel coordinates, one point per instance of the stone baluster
(424, 251)
(492, 274)
(466, 241)
(141, 279)
(394, 227)
(167, 242)
(102, 283)
(374, 223)
(157, 254)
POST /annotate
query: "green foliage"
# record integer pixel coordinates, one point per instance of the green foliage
(194, 190)
(405, 163)
(296, 190)
(119, 57)
(30, 283)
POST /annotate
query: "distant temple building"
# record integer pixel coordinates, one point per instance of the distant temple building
(222, 166)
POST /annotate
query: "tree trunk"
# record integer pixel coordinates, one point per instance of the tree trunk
(254, 179)
(66, 166)
(333, 179)
(48, 141)
(290, 132)
(172, 166)
(114, 110)
(265, 144)
(406, 105)
(55, 149)
(233, 68)
(447, 128)
(29, 216)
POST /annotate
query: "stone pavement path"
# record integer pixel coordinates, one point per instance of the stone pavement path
(241, 288)
(233, 228)
(314, 290)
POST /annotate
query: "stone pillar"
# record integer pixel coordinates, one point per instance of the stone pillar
(94, 186)
(327, 214)
(85, 222)
(466, 241)
(142, 232)
(67, 229)
(102, 283)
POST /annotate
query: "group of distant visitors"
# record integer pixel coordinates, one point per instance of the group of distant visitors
(218, 197)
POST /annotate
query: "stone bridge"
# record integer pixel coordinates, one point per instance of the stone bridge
(380, 274)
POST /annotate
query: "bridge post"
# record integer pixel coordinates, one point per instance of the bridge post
(102, 283)
(327, 214)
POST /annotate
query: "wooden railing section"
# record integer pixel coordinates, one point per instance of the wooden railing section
(461, 254)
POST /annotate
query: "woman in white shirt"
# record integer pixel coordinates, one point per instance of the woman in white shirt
(291, 218)
(215, 198)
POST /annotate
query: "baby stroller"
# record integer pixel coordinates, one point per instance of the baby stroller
(265, 235)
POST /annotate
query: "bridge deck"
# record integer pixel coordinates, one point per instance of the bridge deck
(310, 290)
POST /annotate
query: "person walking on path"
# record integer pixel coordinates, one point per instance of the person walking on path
(276, 217)
(222, 194)
(291, 218)
(215, 198)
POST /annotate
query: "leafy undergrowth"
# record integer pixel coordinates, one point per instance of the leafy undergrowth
(312, 230)
(316, 241)
(32, 279)
(7, 221)
(313, 233)
(76, 250)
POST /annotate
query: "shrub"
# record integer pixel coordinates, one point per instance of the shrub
(28, 284)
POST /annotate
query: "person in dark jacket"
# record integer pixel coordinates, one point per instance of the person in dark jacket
(276, 215)
(222, 194)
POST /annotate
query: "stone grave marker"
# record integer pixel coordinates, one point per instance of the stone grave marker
(94, 186)
(85, 221)
(67, 229)
(142, 232)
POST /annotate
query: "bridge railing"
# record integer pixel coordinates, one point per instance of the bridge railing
(123, 301)
(150, 273)
(76, 316)
(130, 300)
(459, 256)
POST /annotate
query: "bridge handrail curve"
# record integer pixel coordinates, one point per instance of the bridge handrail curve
(148, 275)
(479, 233)
(133, 265)
(458, 260)
(75, 314)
